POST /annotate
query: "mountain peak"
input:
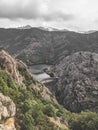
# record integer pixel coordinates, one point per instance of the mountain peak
(25, 27)
(51, 29)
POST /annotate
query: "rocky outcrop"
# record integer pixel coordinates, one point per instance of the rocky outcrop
(45, 92)
(10, 65)
(77, 88)
(7, 107)
(7, 113)
(21, 74)
(8, 125)
(60, 122)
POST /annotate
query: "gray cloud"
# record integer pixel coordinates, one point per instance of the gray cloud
(58, 15)
(17, 10)
(31, 9)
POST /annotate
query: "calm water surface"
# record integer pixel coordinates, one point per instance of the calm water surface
(38, 71)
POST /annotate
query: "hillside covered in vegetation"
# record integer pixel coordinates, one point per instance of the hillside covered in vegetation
(35, 108)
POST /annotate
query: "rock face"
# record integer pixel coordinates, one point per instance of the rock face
(77, 88)
(8, 125)
(20, 72)
(10, 65)
(7, 107)
(45, 92)
(7, 113)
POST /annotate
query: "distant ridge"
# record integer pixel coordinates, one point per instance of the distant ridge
(87, 32)
(42, 28)
(51, 29)
(25, 27)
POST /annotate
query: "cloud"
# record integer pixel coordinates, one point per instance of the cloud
(74, 14)
(31, 9)
(19, 9)
(58, 15)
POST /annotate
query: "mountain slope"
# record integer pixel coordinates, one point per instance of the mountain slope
(34, 104)
(77, 87)
(39, 46)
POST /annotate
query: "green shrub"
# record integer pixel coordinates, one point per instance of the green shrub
(7, 78)
(28, 122)
(84, 121)
(49, 110)
(3, 87)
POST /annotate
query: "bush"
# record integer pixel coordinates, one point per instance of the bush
(6, 77)
(28, 122)
(49, 110)
(84, 121)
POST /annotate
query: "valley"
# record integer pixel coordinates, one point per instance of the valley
(48, 64)
(52, 78)
(41, 49)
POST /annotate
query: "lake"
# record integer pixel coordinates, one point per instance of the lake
(38, 71)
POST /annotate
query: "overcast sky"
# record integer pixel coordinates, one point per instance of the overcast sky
(69, 14)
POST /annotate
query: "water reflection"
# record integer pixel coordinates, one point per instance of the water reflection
(38, 71)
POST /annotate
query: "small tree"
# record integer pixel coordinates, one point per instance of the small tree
(49, 110)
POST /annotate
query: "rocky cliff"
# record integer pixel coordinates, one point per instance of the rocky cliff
(77, 88)
(20, 72)
(10, 65)
(25, 100)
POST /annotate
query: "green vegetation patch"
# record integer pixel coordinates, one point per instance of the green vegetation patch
(32, 110)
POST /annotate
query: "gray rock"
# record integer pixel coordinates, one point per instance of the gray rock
(7, 107)
(7, 113)
(9, 64)
(77, 88)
